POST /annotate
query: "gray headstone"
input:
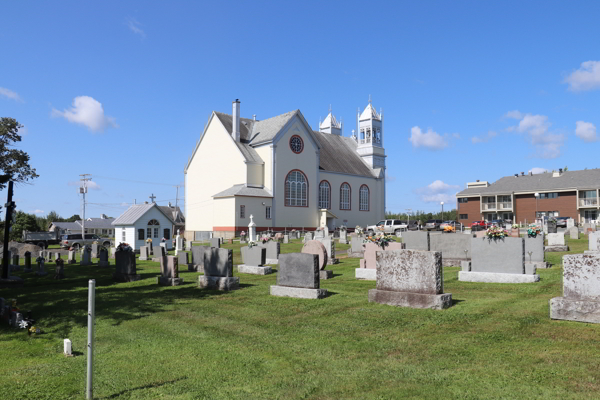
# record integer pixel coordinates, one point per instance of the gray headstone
(27, 260)
(273, 249)
(573, 232)
(72, 257)
(86, 258)
(412, 271)
(501, 256)
(103, 257)
(299, 270)
(556, 239)
(218, 262)
(286, 239)
(95, 249)
(125, 268)
(198, 254)
(593, 241)
(144, 253)
(60, 269)
(356, 244)
(255, 256)
(416, 240)
(169, 267)
(215, 242)
(452, 246)
(183, 258)
(535, 245)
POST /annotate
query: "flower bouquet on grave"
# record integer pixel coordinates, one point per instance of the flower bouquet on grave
(251, 244)
(381, 240)
(242, 234)
(358, 230)
(495, 232)
(163, 240)
(124, 247)
(343, 228)
(533, 231)
(265, 239)
(515, 226)
(149, 240)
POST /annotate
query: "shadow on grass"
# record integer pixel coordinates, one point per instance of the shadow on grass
(330, 293)
(148, 386)
(456, 301)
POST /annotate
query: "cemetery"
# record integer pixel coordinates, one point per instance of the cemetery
(205, 316)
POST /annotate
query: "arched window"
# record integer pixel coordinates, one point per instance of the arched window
(345, 196)
(324, 195)
(296, 189)
(363, 198)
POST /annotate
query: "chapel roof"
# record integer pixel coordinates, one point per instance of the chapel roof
(135, 212)
(369, 113)
(330, 122)
(243, 190)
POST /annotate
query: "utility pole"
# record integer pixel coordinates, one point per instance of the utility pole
(83, 190)
(408, 210)
(9, 206)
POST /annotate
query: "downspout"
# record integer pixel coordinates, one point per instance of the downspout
(273, 181)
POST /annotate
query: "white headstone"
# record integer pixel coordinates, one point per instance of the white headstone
(556, 239)
(252, 229)
(68, 351)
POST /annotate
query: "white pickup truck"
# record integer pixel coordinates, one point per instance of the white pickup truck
(387, 226)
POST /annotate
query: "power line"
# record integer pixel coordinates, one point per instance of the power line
(130, 180)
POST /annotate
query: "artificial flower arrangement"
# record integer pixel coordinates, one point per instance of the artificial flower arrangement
(251, 244)
(495, 232)
(533, 231)
(381, 240)
(515, 226)
(343, 228)
(449, 228)
(95, 242)
(358, 229)
(266, 239)
(163, 240)
(124, 247)
(148, 240)
(242, 233)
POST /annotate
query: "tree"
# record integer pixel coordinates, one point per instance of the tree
(23, 222)
(14, 164)
(52, 216)
(73, 218)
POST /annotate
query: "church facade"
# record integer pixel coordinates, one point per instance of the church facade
(284, 174)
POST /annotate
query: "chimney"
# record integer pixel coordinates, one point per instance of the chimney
(235, 120)
(170, 206)
(522, 173)
(253, 117)
(477, 180)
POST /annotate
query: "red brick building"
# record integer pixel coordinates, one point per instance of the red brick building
(522, 198)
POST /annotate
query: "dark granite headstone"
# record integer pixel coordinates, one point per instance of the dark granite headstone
(298, 270)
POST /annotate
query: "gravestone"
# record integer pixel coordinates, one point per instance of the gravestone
(254, 259)
(48, 255)
(416, 240)
(161, 252)
(169, 271)
(72, 257)
(112, 252)
(198, 258)
(581, 292)
(103, 257)
(570, 223)
(551, 227)
(368, 265)
(286, 239)
(60, 269)
(125, 268)
(556, 242)
(498, 260)
(298, 276)
(316, 247)
(178, 244)
(188, 245)
(452, 246)
(150, 247)
(343, 236)
(273, 250)
(319, 234)
(86, 253)
(534, 252)
(165, 245)
(95, 250)
(593, 241)
(410, 278)
(27, 261)
(183, 260)
(41, 266)
(329, 244)
(278, 237)
(57, 256)
(308, 236)
(215, 242)
(357, 248)
(573, 232)
(144, 253)
(218, 270)
(15, 263)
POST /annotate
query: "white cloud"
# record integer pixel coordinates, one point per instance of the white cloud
(515, 114)
(484, 138)
(536, 127)
(537, 170)
(36, 211)
(437, 191)
(90, 184)
(89, 112)
(430, 139)
(134, 25)
(11, 95)
(587, 77)
(586, 131)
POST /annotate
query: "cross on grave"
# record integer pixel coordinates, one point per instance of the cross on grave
(152, 197)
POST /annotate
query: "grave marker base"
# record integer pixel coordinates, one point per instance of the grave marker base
(195, 268)
(325, 274)
(272, 261)
(218, 282)
(72, 262)
(591, 252)
(575, 310)
(357, 254)
(452, 262)
(169, 281)
(332, 261)
(27, 270)
(496, 277)
(298, 293)
(535, 265)
(125, 277)
(368, 274)
(141, 258)
(411, 300)
(157, 259)
(249, 269)
(556, 248)
(103, 264)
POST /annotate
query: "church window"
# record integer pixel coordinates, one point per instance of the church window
(167, 234)
(296, 189)
(345, 196)
(156, 232)
(296, 144)
(124, 235)
(153, 222)
(368, 135)
(362, 135)
(324, 195)
(140, 234)
(363, 200)
(268, 212)
(149, 233)
(242, 211)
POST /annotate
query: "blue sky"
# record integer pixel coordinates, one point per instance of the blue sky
(470, 90)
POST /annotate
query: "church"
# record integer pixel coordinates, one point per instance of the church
(284, 174)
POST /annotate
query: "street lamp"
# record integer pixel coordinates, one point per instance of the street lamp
(442, 203)
(408, 210)
(537, 195)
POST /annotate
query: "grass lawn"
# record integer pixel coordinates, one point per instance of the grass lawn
(187, 343)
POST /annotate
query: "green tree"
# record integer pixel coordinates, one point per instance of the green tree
(23, 222)
(73, 218)
(52, 216)
(14, 164)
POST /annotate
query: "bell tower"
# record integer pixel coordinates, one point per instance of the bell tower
(331, 125)
(370, 136)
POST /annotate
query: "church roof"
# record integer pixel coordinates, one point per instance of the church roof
(330, 121)
(338, 154)
(369, 113)
(266, 130)
(243, 190)
(246, 124)
(135, 212)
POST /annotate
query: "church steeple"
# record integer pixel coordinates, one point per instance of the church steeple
(370, 136)
(331, 125)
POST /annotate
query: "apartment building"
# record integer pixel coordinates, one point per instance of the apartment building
(525, 197)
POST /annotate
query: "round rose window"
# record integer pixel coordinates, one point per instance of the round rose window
(296, 144)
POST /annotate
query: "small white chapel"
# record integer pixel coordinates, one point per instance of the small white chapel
(284, 174)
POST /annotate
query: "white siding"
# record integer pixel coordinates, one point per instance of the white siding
(142, 223)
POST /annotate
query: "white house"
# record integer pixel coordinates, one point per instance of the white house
(284, 173)
(142, 221)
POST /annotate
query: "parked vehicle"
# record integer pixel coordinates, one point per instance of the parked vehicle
(479, 225)
(387, 226)
(450, 226)
(42, 239)
(433, 224)
(410, 225)
(561, 222)
(496, 222)
(75, 241)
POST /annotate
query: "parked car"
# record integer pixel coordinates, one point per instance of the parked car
(451, 226)
(479, 225)
(561, 222)
(433, 224)
(496, 222)
(75, 241)
(410, 225)
(387, 226)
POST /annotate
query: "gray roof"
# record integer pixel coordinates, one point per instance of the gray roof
(266, 130)
(135, 212)
(243, 190)
(245, 132)
(585, 179)
(98, 223)
(338, 154)
(68, 225)
(175, 213)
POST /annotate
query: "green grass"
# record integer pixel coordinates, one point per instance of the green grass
(152, 342)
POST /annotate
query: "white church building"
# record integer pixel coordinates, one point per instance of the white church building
(284, 173)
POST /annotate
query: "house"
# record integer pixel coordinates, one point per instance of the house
(524, 197)
(143, 221)
(284, 173)
(99, 226)
(177, 217)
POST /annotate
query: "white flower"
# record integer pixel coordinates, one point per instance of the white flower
(23, 324)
